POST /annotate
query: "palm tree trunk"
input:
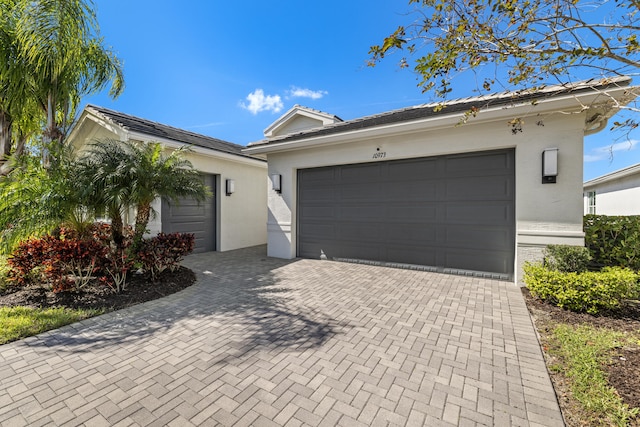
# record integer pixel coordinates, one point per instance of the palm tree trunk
(6, 130)
(142, 220)
(117, 227)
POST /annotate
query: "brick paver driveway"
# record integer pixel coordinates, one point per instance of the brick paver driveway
(261, 341)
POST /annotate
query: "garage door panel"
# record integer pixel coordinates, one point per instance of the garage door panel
(349, 247)
(407, 170)
(317, 229)
(322, 193)
(360, 174)
(412, 213)
(185, 211)
(412, 255)
(474, 238)
(483, 189)
(409, 234)
(415, 190)
(475, 261)
(359, 192)
(360, 230)
(318, 212)
(446, 212)
(321, 174)
(478, 165)
(363, 212)
(316, 249)
(484, 214)
(190, 216)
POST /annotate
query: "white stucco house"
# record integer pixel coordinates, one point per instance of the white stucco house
(616, 193)
(234, 218)
(417, 188)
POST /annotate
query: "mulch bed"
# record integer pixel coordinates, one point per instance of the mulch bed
(624, 366)
(139, 289)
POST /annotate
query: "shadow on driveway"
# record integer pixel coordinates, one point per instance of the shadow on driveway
(243, 285)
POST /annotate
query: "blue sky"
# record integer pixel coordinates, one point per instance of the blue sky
(228, 69)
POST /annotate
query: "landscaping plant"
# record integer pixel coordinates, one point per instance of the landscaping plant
(567, 258)
(591, 291)
(164, 252)
(613, 240)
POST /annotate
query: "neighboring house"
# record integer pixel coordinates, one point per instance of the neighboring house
(616, 193)
(416, 187)
(225, 222)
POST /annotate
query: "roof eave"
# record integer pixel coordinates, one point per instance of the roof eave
(613, 176)
(170, 143)
(565, 102)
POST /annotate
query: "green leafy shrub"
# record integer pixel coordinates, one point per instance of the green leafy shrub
(590, 291)
(4, 273)
(613, 240)
(164, 252)
(567, 258)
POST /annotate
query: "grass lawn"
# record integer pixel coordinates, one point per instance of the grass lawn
(593, 363)
(581, 352)
(21, 322)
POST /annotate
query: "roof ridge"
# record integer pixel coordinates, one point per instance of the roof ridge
(141, 119)
(498, 98)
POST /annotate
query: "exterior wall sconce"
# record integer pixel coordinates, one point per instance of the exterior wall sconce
(276, 182)
(549, 165)
(230, 186)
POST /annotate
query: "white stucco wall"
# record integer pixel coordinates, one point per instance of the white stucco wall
(545, 213)
(240, 217)
(617, 197)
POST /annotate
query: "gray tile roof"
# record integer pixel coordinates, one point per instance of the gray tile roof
(159, 130)
(454, 106)
(612, 176)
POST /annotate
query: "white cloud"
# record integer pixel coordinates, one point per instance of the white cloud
(605, 152)
(298, 92)
(258, 102)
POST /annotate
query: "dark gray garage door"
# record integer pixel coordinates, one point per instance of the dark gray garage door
(189, 216)
(451, 212)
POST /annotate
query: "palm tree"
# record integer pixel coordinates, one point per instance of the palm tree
(120, 175)
(18, 111)
(103, 174)
(51, 55)
(159, 175)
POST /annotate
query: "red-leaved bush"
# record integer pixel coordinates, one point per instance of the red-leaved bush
(70, 261)
(164, 252)
(27, 257)
(67, 264)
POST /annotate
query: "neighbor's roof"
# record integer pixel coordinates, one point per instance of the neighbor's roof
(159, 130)
(454, 106)
(612, 176)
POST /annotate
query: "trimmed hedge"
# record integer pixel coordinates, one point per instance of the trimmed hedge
(591, 291)
(613, 240)
(567, 258)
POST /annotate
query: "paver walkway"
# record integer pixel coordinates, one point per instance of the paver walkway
(265, 342)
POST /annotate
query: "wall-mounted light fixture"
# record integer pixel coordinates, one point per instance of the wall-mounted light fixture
(549, 165)
(230, 186)
(276, 182)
